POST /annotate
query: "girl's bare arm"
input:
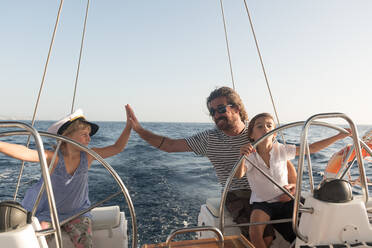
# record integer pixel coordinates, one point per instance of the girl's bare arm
(21, 152)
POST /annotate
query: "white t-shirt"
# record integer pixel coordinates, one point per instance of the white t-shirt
(263, 190)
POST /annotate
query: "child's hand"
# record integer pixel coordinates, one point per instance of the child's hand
(247, 149)
(131, 118)
(291, 189)
(127, 110)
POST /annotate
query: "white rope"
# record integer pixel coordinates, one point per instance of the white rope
(81, 52)
(227, 44)
(40, 90)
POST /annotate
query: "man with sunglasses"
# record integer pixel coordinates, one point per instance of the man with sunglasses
(222, 147)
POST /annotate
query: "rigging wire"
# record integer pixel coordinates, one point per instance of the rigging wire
(80, 54)
(259, 54)
(262, 64)
(227, 44)
(40, 91)
(43, 80)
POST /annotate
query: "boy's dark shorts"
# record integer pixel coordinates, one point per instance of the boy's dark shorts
(277, 211)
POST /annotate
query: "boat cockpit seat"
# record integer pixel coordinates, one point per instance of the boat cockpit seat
(105, 218)
(13, 216)
(334, 190)
(209, 216)
(213, 205)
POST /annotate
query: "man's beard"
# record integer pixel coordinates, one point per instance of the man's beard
(223, 123)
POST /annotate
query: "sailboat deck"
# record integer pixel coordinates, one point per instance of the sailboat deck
(230, 242)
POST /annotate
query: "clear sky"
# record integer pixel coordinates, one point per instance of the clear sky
(165, 56)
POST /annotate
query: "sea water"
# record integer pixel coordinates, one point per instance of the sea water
(167, 190)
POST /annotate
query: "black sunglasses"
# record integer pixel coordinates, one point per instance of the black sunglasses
(220, 109)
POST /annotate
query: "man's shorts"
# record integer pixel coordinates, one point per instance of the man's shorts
(237, 203)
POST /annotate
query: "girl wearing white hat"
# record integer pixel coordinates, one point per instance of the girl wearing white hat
(69, 174)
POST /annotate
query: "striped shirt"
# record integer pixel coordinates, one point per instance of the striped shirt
(223, 151)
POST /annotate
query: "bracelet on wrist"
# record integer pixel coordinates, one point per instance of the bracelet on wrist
(161, 142)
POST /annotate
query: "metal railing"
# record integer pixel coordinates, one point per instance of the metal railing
(43, 163)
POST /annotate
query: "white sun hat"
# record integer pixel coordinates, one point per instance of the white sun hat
(60, 126)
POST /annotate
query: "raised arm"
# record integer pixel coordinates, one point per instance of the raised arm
(242, 170)
(161, 142)
(319, 145)
(120, 143)
(20, 152)
(244, 150)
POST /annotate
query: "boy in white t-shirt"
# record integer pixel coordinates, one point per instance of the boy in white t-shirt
(269, 202)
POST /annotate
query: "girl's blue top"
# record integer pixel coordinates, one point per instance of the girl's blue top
(71, 192)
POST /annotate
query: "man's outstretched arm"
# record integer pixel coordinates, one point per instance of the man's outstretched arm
(161, 142)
